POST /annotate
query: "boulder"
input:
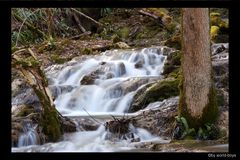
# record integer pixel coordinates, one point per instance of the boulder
(159, 91)
(23, 94)
(220, 62)
(86, 124)
(121, 69)
(67, 125)
(89, 79)
(160, 119)
(139, 64)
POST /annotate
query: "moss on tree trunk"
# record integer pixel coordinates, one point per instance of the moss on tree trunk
(35, 77)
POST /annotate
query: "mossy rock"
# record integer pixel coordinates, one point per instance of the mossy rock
(158, 11)
(219, 28)
(27, 62)
(171, 27)
(174, 41)
(159, 91)
(215, 20)
(214, 32)
(58, 59)
(116, 39)
(86, 51)
(173, 63)
(123, 32)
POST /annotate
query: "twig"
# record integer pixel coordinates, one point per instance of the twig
(87, 17)
(32, 54)
(115, 118)
(18, 51)
(153, 16)
(91, 116)
(81, 35)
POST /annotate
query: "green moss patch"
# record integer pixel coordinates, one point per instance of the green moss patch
(210, 112)
(157, 92)
(51, 125)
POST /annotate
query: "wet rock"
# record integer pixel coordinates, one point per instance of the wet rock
(220, 62)
(120, 129)
(57, 90)
(67, 125)
(160, 119)
(103, 63)
(86, 124)
(121, 69)
(172, 63)
(139, 64)
(17, 129)
(23, 94)
(109, 75)
(156, 92)
(219, 48)
(89, 79)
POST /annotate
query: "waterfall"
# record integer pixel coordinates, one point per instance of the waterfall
(29, 135)
(101, 85)
(97, 80)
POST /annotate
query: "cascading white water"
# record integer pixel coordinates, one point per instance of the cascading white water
(110, 69)
(102, 85)
(29, 135)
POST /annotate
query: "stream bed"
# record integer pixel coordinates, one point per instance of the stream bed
(104, 86)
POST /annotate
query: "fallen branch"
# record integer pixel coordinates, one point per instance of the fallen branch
(79, 23)
(87, 17)
(32, 54)
(152, 16)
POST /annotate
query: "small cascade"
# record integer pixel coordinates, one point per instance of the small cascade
(29, 135)
(103, 83)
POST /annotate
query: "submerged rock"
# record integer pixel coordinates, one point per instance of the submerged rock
(57, 90)
(89, 79)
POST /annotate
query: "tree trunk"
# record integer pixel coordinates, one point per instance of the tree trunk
(50, 118)
(197, 98)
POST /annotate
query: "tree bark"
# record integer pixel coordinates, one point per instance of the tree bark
(50, 118)
(197, 97)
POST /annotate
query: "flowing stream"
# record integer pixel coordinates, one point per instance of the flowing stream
(101, 85)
